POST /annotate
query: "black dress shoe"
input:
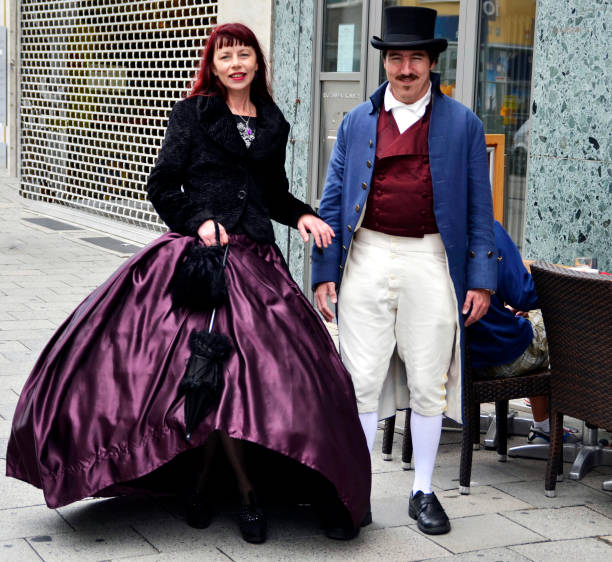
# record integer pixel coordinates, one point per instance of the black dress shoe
(198, 513)
(252, 522)
(337, 521)
(429, 513)
(367, 519)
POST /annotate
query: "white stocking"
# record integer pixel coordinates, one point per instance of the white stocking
(426, 432)
(369, 423)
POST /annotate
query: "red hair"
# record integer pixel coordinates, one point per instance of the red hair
(205, 83)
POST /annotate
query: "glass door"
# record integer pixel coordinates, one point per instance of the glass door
(503, 93)
(342, 39)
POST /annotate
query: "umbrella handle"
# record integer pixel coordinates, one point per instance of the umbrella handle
(214, 312)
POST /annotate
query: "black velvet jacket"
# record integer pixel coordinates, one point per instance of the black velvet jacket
(203, 154)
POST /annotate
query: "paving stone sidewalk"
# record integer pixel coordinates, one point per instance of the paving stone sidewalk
(45, 271)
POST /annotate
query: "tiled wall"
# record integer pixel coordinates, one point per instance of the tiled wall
(569, 197)
(293, 33)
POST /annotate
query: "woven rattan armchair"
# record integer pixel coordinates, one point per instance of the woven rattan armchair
(577, 312)
(476, 392)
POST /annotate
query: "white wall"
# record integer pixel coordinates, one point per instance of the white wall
(256, 14)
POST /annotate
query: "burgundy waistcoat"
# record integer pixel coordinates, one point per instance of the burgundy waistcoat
(400, 201)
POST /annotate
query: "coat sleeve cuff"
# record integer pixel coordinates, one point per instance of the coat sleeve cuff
(192, 224)
(325, 265)
(482, 269)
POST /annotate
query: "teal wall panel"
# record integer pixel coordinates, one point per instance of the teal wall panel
(292, 52)
(569, 197)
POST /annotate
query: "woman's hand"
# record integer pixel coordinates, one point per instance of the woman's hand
(206, 232)
(322, 233)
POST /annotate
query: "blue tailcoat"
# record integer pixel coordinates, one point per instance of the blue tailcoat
(461, 191)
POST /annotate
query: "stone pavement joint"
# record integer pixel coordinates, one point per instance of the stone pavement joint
(45, 273)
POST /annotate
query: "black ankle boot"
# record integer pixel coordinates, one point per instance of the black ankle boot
(337, 522)
(198, 513)
(252, 521)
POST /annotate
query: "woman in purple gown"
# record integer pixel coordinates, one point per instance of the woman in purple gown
(101, 413)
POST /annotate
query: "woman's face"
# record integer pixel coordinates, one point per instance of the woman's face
(235, 66)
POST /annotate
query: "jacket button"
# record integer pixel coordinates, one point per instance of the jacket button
(364, 185)
(369, 163)
(241, 194)
(472, 254)
(349, 228)
(357, 207)
(370, 142)
(499, 258)
(489, 254)
(341, 267)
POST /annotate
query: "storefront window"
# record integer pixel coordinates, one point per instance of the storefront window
(505, 56)
(342, 36)
(447, 26)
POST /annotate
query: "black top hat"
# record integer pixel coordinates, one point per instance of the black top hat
(409, 28)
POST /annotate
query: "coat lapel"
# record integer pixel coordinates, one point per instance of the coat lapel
(219, 124)
(271, 131)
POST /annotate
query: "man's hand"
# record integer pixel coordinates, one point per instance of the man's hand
(478, 300)
(322, 233)
(323, 291)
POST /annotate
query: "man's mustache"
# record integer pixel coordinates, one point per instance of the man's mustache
(406, 77)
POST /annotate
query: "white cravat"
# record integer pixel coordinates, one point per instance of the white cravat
(405, 114)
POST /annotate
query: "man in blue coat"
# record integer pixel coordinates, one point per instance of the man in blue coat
(409, 198)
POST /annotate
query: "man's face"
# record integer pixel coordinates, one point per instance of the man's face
(408, 74)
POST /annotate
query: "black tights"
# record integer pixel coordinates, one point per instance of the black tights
(234, 449)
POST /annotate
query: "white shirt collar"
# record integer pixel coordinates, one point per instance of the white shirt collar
(418, 107)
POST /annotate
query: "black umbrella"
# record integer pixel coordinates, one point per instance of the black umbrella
(202, 383)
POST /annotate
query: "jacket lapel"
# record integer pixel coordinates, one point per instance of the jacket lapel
(269, 133)
(219, 124)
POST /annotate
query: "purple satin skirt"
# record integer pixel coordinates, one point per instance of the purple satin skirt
(101, 410)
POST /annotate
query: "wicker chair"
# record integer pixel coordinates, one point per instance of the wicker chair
(475, 392)
(577, 312)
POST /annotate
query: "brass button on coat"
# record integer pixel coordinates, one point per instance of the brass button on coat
(490, 254)
(349, 227)
(472, 254)
(357, 207)
(340, 267)
(369, 163)
(364, 185)
(370, 142)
